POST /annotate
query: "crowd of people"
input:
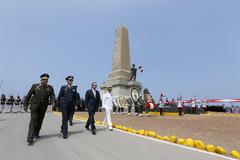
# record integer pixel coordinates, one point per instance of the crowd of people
(146, 104)
(13, 104)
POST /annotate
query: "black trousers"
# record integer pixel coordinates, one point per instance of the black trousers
(194, 110)
(71, 115)
(37, 116)
(114, 108)
(136, 109)
(180, 111)
(120, 110)
(161, 111)
(91, 120)
(140, 108)
(67, 111)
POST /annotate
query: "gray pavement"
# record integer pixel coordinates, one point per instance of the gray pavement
(82, 145)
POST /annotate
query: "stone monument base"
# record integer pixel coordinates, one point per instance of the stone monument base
(122, 88)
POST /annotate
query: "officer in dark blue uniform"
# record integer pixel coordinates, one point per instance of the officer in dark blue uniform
(67, 99)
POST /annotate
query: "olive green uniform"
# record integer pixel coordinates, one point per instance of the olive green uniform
(39, 95)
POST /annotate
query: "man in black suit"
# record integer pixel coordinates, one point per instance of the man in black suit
(92, 103)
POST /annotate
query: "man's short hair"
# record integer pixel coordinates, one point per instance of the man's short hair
(94, 83)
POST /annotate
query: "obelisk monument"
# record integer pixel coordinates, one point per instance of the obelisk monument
(119, 77)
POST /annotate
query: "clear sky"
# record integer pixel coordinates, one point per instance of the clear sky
(190, 47)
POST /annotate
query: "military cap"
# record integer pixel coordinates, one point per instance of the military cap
(69, 78)
(109, 86)
(44, 76)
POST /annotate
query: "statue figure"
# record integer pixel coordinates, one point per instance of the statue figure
(133, 73)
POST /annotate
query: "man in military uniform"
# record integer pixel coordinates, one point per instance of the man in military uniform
(129, 105)
(17, 102)
(141, 104)
(68, 100)
(10, 103)
(193, 105)
(160, 106)
(39, 94)
(107, 104)
(180, 105)
(204, 106)
(3, 102)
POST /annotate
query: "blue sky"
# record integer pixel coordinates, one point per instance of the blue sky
(189, 47)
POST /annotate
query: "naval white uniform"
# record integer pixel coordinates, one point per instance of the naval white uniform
(107, 103)
(161, 103)
(204, 103)
(193, 103)
(180, 105)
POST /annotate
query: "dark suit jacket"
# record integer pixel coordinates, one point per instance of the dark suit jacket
(92, 103)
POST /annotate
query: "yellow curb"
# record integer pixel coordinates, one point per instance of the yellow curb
(222, 114)
(146, 133)
(170, 114)
(211, 148)
(152, 134)
(141, 132)
(220, 150)
(129, 129)
(199, 144)
(124, 128)
(173, 139)
(180, 141)
(166, 138)
(134, 131)
(159, 137)
(189, 142)
(235, 154)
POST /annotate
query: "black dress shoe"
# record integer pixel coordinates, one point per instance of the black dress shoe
(37, 136)
(30, 142)
(94, 132)
(87, 128)
(70, 123)
(65, 137)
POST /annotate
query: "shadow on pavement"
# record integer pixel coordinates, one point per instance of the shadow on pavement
(59, 135)
(78, 122)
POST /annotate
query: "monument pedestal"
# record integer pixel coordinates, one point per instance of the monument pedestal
(122, 88)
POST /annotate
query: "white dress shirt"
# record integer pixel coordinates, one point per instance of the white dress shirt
(94, 93)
